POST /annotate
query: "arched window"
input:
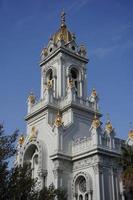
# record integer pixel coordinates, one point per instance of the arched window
(80, 188)
(49, 78)
(31, 157)
(49, 75)
(74, 75)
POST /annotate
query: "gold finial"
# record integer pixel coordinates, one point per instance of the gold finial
(44, 52)
(96, 122)
(32, 98)
(63, 14)
(130, 133)
(21, 140)
(108, 125)
(58, 120)
(94, 92)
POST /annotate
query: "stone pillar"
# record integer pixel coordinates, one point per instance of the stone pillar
(98, 170)
(90, 195)
(57, 177)
(113, 184)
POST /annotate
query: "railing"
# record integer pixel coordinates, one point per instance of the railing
(62, 102)
(82, 145)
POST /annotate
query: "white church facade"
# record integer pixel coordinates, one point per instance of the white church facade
(65, 142)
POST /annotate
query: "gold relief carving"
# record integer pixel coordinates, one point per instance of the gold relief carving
(96, 122)
(21, 140)
(130, 134)
(58, 120)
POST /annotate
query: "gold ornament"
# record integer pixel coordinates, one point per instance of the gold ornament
(49, 84)
(33, 133)
(63, 33)
(94, 92)
(130, 134)
(32, 98)
(109, 126)
(71, 83)
(21, 140)
(58, 120)
(44, 52)
(96, 122)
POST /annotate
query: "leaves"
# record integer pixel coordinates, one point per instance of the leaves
(126, 161)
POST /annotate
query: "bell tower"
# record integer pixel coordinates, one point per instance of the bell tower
(65, 142)
(63, 65)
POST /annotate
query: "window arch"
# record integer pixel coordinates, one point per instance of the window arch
(74, 76)
(49, 75)
(31, 158)
(81, 189)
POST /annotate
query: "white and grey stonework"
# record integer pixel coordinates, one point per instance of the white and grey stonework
(65, 142)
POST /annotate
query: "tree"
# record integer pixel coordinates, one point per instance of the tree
(51, 193)
(127, 174)
(7, 150)
(21, 186)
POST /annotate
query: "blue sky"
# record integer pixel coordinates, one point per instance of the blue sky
(104, 26)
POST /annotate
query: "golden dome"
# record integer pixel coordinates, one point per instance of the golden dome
(96, 122)
(63, 33)
(130, 134)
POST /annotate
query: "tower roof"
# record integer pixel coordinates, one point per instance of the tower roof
(63, 33)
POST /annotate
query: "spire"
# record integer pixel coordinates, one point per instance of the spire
(63, 19)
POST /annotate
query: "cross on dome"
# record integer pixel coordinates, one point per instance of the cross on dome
(63, 19)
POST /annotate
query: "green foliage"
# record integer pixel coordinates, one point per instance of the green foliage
(21, 185)
(51, 193)
(7, 150)
(126, 162)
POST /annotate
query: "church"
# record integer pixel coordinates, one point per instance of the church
(66, 143)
